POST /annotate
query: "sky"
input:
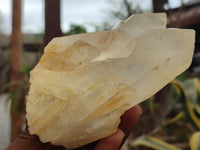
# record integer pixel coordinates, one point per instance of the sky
(84, 12)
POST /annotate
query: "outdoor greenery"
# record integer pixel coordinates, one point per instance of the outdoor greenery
(179, 127)
(75, 29)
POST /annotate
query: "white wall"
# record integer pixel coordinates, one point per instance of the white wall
(4, 122)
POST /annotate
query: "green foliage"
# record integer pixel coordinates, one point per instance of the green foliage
(26, 70)
(154, 143)
(19, 90)
(182, 76)
(182, 122)
(76, 29)
(17, 96)
(195, 141)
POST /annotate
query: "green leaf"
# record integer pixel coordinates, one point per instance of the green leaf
(76, 29)
(151, 107)
(192, 90)
(154, 143)
(197, 102)
(182, 76)
(190, 107)
(192, 113)
(26, 70)
(178, 117)
(195, 141)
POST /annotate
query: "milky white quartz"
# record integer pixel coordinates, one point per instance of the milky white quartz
(84, 83)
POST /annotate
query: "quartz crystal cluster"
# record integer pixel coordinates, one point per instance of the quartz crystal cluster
(84, 83)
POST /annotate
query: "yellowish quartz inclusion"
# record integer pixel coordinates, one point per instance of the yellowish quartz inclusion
(84, 83)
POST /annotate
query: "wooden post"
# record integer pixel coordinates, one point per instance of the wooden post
(52, 20)
(15, 65)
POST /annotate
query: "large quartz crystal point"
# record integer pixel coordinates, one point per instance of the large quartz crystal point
(84, 83)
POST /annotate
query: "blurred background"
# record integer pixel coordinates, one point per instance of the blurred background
(171, 118)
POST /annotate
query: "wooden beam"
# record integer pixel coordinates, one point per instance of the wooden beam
(183, 18)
